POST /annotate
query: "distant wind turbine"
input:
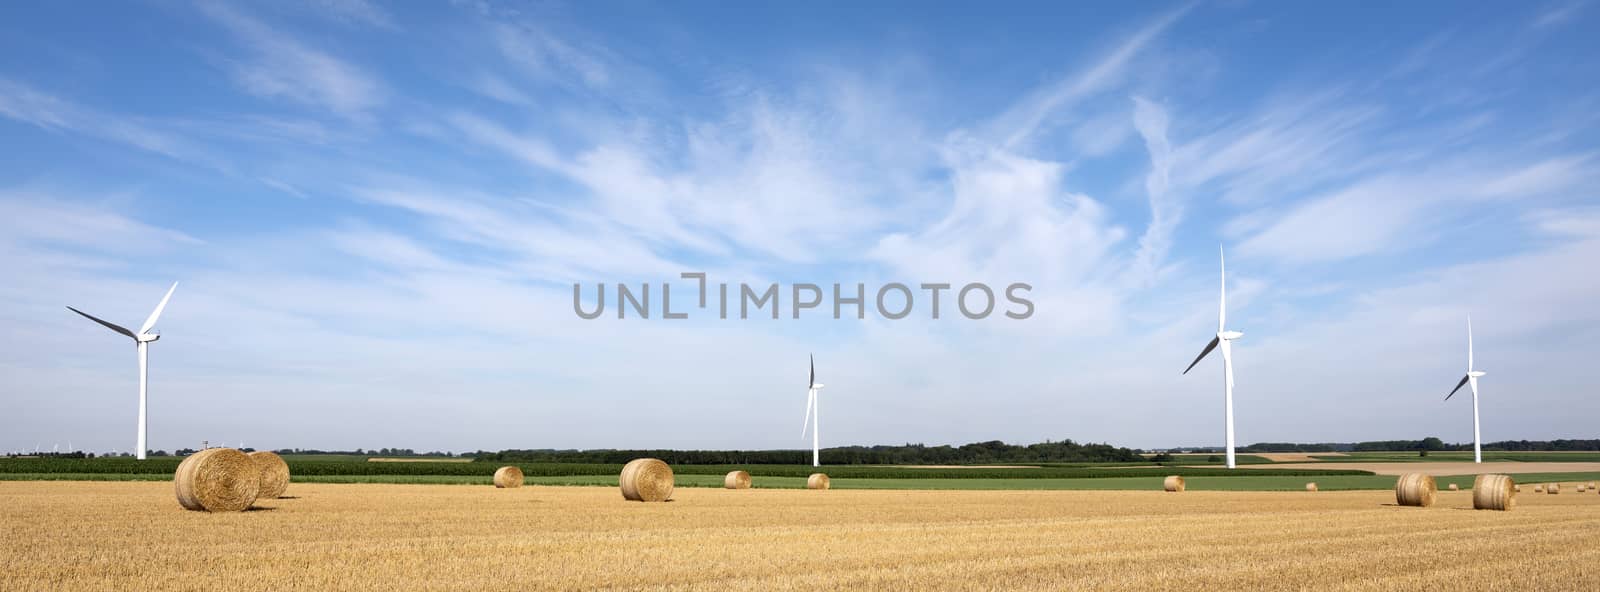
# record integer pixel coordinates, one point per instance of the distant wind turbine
(1471, 379)
(141, 341)
(1223, 338)
(812, 386)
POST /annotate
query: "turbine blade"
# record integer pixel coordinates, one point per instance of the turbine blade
(1202, 356)
(156, 314)
(1469, 343)
(813, 379)
(1458, 387)
(811, 401)
(110, 326)
(1222, 308)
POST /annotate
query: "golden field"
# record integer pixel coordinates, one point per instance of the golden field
(134, 536)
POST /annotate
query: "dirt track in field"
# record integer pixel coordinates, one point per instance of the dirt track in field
(1446, 468)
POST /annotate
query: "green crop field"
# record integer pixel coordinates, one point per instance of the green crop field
(1258, 477)
(308, 468)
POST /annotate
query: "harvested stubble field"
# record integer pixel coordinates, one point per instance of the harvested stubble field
(133, 536)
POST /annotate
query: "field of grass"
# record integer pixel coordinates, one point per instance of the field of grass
(133, 536)
(1257, 477)
(328, 468)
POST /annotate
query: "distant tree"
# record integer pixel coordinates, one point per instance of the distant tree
(1213, 458)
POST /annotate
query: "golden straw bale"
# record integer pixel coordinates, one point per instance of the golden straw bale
(817, 481)
(1552, 488)
(1415, 489)
(1173, 483)
(736, 480)
(646, 480)
(1454, 487)
(217, 480)
(508, 477)
(1311, 486)
(274, 474)
(1494, 492)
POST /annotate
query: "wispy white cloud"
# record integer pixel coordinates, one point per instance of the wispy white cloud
(1026, 119)
(1557, 13)
(1165, 209)
(353, 11)
(1389, 213)
(499, 89)
(29, 215)
(29, 105)
(284, 67)
(549, 58)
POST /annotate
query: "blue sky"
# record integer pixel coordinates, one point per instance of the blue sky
(378, 211)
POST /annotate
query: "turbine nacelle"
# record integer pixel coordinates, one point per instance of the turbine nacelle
(1476, 373)
(1229, 335)
(147, 337)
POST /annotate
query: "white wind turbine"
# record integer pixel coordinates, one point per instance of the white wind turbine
(1471, 379)
(141, 341)
(1224, 337)
(812, 386)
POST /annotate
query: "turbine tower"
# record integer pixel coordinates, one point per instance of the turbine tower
(1224, 338)
(812, 386)
(141, 341)
(1471, 379)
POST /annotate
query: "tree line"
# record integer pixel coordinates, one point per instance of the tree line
(994, 451)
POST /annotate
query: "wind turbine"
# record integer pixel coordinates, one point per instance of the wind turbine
(1471, 379)
(141, 341)
(812, 386)
(1224, 338)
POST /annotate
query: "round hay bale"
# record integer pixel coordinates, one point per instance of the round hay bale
(1415, 489)
(508, 477)
(1173, 483)
(1311, 486)
(1454, 487)
(736, 480)
(217, 480)
(1494, 492)
(1538, 489)
(1591, 484)
(1553, 488)
(646, 480)
(1516, 488)
(817, 481)
(274, 474)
